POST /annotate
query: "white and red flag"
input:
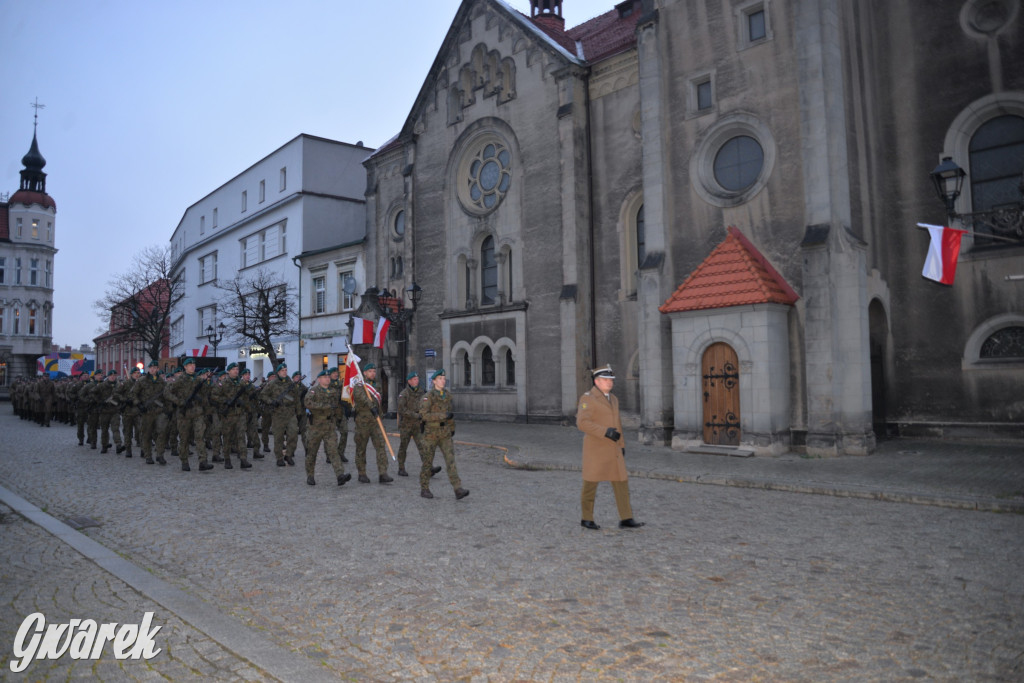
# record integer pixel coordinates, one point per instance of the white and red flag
(351, 376)
(381, 333)
(362, 331)
(943, 252)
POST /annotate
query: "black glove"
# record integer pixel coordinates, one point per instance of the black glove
(612, 434)
(348, 410)
(450, 416)
(374, 412)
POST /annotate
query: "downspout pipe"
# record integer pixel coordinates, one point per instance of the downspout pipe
(295, 260)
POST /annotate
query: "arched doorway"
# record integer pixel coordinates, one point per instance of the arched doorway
(721, 393)
(878, 335)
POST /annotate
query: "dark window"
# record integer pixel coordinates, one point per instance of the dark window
(467, 370)
(510, 369)
(756, 26)
(488, 273)
(997, 161)
(1005, 343)
(641, 237)
(739, 163)
(400, 224)
(704, 95)
(487, 368)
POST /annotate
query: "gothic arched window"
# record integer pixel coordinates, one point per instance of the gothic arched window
(488, 273)
(487, 367)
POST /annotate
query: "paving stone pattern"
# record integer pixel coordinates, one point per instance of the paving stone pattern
(378, 584)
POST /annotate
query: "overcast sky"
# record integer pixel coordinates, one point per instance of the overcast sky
(152, 105)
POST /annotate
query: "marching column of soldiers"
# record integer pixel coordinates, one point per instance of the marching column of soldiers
(224, 414)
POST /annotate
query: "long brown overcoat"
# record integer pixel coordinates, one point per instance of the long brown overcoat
(602, 458)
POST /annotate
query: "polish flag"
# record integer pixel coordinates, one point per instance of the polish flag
(381, 333)
(351, 376)
(943, 252)
(362, 331)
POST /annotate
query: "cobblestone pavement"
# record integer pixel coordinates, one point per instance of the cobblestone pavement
(376, 583)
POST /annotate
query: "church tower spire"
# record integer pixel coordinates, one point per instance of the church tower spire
(32, 177)
(548, 13)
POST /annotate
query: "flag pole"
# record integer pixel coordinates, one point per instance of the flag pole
(983, 235)
(383, 432)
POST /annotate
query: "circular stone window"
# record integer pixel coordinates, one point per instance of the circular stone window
(485, 176)
(733, 161)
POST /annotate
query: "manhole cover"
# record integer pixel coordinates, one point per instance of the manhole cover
(80, 522)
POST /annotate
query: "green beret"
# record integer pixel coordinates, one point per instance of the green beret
(112, 372)
(330, 370)
(369, 366)
(231, 366)
(153, 364)
(280, 367)
(135, 369)
(245, 371)
(324, 373)
(437, 373)
(410, 376)
(270, 374)
(297, 373)
(188, 361)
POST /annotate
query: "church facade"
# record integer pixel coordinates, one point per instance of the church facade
(719, 198)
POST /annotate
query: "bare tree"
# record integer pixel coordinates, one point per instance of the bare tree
(138, 303)
(258, 309)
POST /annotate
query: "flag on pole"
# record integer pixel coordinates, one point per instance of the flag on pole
(381, 333)
(362, 331)
(943, 252)
(351, 376)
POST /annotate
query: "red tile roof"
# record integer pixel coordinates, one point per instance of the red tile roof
(602, 36)
(734, 274)
(30, 197)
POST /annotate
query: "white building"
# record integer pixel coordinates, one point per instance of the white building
(27, 252)
(305, 196)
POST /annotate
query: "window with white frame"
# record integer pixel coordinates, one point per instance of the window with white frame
(17, 320)
(245, 199)
(345, 298)
(753, 23)
(263, 191)
(207, 318)
(208, 268)
(49, 231)
(49, 274)
(214, 219)
(284, 178)
(202, 225)
(177, 331)
(17, 270)
(17, 227)
(47, 323)
(319, 294)
(3, 270)
(35, 228)
(264, 245)
(33, 272)
(32, 321)
(3, 317)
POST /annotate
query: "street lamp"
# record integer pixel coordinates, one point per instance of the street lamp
(1004, 223)
(215, 338)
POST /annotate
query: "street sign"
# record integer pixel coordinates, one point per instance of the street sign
(430, 353)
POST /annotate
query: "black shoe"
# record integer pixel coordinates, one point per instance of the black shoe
(217, 458)
(310, 480)
(630, 524)
(256, 455)
(435, 469)
(120, 450)
(150, 461)
(363, 479)
(327, 459)
(228, 465)
(246, 465)
(281, 463)
(342, 478)
(204, 466)
(402, 472)
(266, 449)
(588, 524)
(385, 479)
(185, 467)
(104, 449)
(344, 459)
(290, 460)
(461, 493)
(161, 460)
(128, 454)
(92, 446)
(81, 443)
(425, 493)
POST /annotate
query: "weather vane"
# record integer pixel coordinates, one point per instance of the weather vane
(35, 119)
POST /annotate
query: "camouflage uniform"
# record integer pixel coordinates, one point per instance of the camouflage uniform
(47, 392)
(280, 397)
(109, 411)
(367, 410)
(409, 423)
(79, 405)
(438, 430)
(322, 403)
(341, 420)
(189, 394)
(147, 399)
(129, 413)
(230, 398)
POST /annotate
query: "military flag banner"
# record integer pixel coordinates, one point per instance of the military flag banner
(381, 333)
(351, 376)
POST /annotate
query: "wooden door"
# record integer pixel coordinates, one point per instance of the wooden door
(721, 386)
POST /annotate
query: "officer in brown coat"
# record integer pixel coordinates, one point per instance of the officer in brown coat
(597, 416)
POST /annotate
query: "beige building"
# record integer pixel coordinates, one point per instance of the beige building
(556, 191)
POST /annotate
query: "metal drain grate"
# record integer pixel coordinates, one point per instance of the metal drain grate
(80, 522)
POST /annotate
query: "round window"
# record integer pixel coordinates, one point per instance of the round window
(486, 176)
(738, 163)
